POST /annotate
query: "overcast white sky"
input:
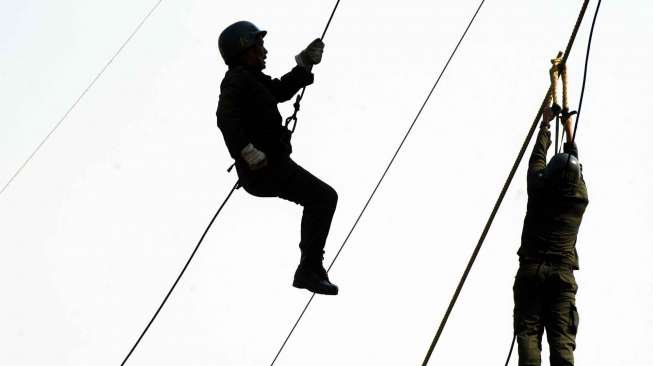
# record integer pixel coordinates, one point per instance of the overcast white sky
(97, 227)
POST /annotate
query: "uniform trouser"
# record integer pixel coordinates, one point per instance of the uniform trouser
(545, 298)
(285, 179)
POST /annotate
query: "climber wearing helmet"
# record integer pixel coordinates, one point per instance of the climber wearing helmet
(259, 143)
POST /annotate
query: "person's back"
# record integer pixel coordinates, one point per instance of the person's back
(545, 286)
(556, 205)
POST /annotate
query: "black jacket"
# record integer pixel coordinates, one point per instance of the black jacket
(247, 109)
(553, 216)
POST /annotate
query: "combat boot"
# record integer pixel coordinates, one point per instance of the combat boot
(311, 275)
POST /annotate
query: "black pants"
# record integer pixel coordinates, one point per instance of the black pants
(285, 179)
(545, 298)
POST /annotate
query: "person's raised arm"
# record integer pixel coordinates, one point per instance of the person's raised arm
(570, 146)
(300, 76)
(537, 161)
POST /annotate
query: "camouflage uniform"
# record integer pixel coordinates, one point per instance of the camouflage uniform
(545, 287)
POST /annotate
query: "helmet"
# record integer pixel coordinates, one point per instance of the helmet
(237, 38)
(563, 170)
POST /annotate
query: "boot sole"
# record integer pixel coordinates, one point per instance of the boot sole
(298, 284)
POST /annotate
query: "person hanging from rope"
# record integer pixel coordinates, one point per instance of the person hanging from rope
(252, 129)
(545, 287)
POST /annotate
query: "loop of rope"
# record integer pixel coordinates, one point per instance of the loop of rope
(554, 73)
(511, 175)
(565, 99)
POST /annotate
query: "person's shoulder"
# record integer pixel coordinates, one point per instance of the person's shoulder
(237, 77)
(235, 73)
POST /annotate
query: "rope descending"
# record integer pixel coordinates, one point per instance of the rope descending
(296, 105)
(554, 74)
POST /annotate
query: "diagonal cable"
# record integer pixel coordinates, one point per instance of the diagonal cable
(183, 270)
(506, 185)
(72, 107)
(587, 59)
(382, 176)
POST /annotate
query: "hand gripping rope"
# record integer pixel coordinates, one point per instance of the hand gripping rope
(296, 105)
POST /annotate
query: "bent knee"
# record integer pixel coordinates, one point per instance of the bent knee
(331, 197)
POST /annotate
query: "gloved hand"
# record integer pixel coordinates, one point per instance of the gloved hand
(254, 157)
(312, 55)
(548, 114)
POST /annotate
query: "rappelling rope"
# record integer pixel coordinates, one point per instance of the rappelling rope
(296, 105)
(382, 176)
(559, 71)
(554, 74)
(587, 57)
(512, 346)
(486, 229)
(562, 119)
(84, 92)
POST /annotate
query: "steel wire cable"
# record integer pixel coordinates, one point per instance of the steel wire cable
(165, 299)
(382, 176)
(90, 85)
(587, 57)
(506, 185)
(296, 104)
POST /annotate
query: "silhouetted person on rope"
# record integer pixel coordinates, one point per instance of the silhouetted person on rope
(260, 145)
(545, 287)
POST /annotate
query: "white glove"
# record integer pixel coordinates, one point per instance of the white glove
(254, 157)
(312, 55)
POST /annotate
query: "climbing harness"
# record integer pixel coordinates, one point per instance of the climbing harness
(378, 184)
(544, 104)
